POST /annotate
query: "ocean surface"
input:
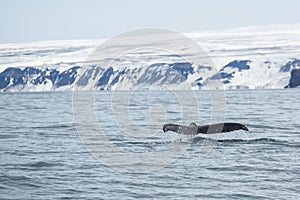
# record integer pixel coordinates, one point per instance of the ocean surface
(110, 145)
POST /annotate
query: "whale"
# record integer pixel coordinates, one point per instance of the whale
(193, 129)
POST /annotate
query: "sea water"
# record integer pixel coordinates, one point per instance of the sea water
(48, 149)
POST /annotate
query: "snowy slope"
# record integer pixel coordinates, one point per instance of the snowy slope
(246, 58)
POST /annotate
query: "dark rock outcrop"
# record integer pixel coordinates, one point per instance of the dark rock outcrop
(236, 65)
(295, 79)
(290, 65)
(16, 77)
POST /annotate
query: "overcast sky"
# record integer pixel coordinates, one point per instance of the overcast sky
(35, 20)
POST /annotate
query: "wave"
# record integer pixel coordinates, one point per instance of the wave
(10, 182)
(198, 140)
(270, 141)
(36, 165)
(54, 126)
(267, 127)
(5, 177)
(40, 164)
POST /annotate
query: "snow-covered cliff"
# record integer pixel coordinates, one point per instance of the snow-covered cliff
(245, 58)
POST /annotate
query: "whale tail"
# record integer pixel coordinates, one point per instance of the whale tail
(193, 129)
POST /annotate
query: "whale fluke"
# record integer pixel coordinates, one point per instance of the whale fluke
(193, 129)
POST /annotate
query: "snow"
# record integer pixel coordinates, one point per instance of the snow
(267, 47)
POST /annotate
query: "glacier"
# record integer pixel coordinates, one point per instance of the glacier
(245, 58)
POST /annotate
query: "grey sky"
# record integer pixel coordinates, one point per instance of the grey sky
(34, 20)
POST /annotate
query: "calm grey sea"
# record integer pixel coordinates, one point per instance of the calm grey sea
(43, 156)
